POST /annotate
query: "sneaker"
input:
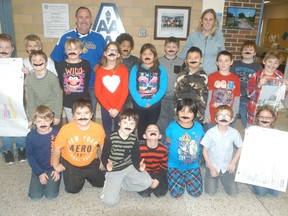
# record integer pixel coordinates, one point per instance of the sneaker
(22, 155)
(8, 157)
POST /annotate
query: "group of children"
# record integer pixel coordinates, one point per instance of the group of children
(110, 156)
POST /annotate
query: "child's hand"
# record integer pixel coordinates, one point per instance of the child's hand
(30, 125)
(262, 81)
(25, 70)
(142, 165)
(109, 165)
(148, 105)
(113, 113)
(43, 178)
(55, 176)
(59, 168)
(101, 166)
(213, 172)
(154, 184)
(231, 167)
(56, 121)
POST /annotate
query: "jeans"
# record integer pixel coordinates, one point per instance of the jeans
(7, 143)
(243, 115)
(93, 100)
(38, 190)
(109, 124)
(262, 191)
(167, 114)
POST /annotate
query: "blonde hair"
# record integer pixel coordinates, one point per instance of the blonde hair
(104, 62)
(74, 41)
(7, 38)
(42, 112)
(267, 108)
(274, 54)
(33, 37)
(215, 27)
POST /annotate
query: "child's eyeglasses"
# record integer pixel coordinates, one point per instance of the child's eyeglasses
(265, 118)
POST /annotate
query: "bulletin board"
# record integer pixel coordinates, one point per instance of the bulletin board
(280, 27)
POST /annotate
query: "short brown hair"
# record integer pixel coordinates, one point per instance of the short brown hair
(36, 53)
(274, 54)
(128, 113)
(268, 108)
(225, 53)
(42, 112)
(172, 40)
(82, 102)
(248, 43)
(7, 38)
(223, 107)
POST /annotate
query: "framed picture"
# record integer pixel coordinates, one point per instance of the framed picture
(171, 21)
(240, 18)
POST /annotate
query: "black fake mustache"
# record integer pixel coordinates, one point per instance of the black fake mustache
(127, 128)
(112, 54)
(247, 53)
(265, 122)
(147, 59)
(80, 119)
(171, 51)
(125, 50)
(4, 53)
(193, 62)
(223, 120)
(72, 53)
(153, 134)
(43, 126)
(185, 117)
(38, 64)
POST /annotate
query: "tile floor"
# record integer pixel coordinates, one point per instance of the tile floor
(14, 181)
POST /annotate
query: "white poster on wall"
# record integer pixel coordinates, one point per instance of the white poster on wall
(13, 121)
(55, 19)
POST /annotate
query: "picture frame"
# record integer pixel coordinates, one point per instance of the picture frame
(171, 21)
(240, 18)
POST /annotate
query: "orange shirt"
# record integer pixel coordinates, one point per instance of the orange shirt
(80, 146)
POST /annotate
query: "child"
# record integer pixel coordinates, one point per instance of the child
(74, 75)
(121, 159)
(218, 151)
(155, 156)
(265, 117)
(192, 82)
(147, 85)
(223, 88)
(43, 88)
(6, 50)
(126, 44)
(111, 86)
(172, 64)
(33, 43)
(268, 76)
(183, 139)
(45, 181)
(77, 144)
(244, 69)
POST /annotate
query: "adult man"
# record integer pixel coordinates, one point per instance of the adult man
(93, 45)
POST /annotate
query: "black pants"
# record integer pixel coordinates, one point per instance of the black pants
(74, 177)
(146, 117)
(159, 191)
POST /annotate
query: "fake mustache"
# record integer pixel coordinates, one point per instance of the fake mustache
(171, 51)
(72, 53)
(193, 62)
(4, 53)
(147, 59)
(125, 50)
(38, 64)
(112, 54)
(153, 134)
(43, 126)
(223, 120)
(247, 53)
(185, 117)
(81, 119)
(128, 129)
(265, 122)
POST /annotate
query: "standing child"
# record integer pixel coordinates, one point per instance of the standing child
(192, 82)
(126, 44)
(223, 89)
(265, 117)
(43, 88)
(77, 144)
(111, 86)
(183, 139)
(147, 85)
(244, 69)
(268, 76)
(45, 181)
(32, 43)
(121, 159)
(6, 50)
(218, 151)
(155, 156)
(74, 75)
(172, 64)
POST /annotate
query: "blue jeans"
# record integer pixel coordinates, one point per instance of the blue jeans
(243, 115)
(109, 124)
(38, 190)
(7, 143)
(93, 100)
(262, 191)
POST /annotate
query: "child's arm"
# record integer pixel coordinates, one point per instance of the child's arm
(124, 87)
(232, 166)
(207, 110)
(105, 154)
(253, 88)
(213, 171)
(58, 167)
(58, 99)
(235, 106)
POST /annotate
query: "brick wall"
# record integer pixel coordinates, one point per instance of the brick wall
(234, 38)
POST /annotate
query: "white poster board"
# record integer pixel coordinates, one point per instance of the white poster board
(13, 121)
(264, 160)
(55, 19)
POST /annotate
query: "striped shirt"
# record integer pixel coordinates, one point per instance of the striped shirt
(155, 159)
(121, 152)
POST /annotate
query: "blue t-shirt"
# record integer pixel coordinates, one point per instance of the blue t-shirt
(184, 149)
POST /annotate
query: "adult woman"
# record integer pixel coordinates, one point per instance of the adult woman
(208, 38)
